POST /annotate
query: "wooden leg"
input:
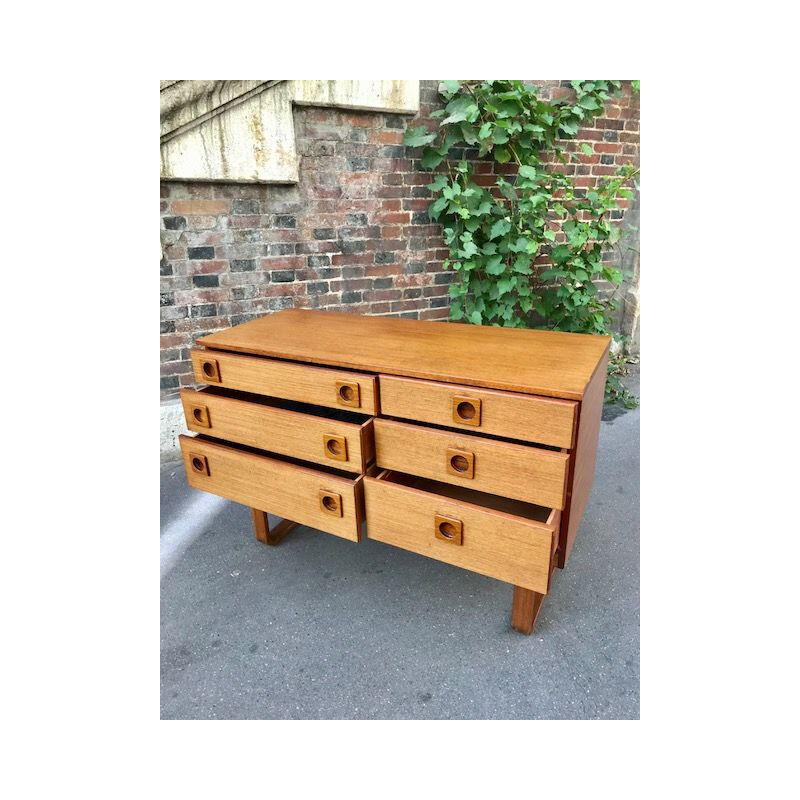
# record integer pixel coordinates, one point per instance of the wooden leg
(262, 529)
(524, 609)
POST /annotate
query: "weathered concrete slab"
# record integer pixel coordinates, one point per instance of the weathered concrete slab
(243, 131)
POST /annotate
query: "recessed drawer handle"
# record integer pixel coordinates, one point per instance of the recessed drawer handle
(200, 415)
(210, 369)
(348, 393)
(448, 529)
(330, 503)
(334, 446)
(199, 464)
(467, 410)
(461, 463)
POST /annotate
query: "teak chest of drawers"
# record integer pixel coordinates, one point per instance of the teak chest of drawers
(471, 445)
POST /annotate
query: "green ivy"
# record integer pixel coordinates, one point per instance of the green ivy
(496, 233)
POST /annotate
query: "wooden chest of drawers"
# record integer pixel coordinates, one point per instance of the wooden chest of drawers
(471, 445)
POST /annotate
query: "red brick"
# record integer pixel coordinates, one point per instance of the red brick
(211, 207)
(608, 147)
(388, 137)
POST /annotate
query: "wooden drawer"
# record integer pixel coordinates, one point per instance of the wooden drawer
(516, 416)
(330, 437)
(530, 474)
(324, 500)
(504, 539)
(315, 385)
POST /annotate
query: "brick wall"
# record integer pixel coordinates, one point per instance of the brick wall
(353, 235)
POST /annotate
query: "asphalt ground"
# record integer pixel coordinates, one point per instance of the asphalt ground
(323, 628)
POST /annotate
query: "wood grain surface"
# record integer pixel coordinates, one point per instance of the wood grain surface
(516, 416)
(268, 427)
(281, 488)
(305, 384)
(583, 460)
(549, 363)
(510, 548)
(530, 474)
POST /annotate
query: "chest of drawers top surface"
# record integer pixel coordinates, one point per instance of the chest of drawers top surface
(549, 363)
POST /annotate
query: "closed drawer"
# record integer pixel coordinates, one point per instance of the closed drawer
(516, 416)
(504, 539)
(315, 385)
(530, 474)
(324, 438)
(326, 501)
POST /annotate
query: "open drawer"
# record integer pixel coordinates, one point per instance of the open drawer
(504, 539)
(328, 500)
(331, 437)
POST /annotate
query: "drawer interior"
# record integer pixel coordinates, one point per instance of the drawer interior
(340, 415)
(515, 507)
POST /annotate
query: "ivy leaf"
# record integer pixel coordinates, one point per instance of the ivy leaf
(449, 87)
(437, 206)
(527, 172)
(560, 254)
(494, 265)
(589, 102)
(475, 317)
(587, 151)
(431, 158)
(522, 265)
(417, 137)
(485, 131)
(499, 136)
(549, 235)
(502, 155)
(461, 109)
(500, 228)
(505, 285)
(581, 275)
(439, 182)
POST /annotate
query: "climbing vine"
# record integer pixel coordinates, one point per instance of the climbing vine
(496, 232)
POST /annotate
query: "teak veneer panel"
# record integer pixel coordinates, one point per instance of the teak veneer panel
(305, 384)
(509, 548)
(278, 430)
(513, 415)
(583, 459)
(549, 363)
(525, 473)
(286, 490)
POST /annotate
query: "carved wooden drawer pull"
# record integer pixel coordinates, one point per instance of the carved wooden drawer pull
(461, 463)
(200, 415)
(210, 369)
(199, 464)
(348, 393)
(330, 503)
(448, 529)
(467, 410)
(335, 446)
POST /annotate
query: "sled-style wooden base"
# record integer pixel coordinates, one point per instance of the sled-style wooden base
(272, 536)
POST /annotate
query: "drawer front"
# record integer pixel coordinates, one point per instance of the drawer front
(318, 386)
(530, 474)
(502, 546)
(341, 445)
(314, 498)
(516, 416)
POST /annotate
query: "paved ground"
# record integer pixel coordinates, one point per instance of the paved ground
(322, 628)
